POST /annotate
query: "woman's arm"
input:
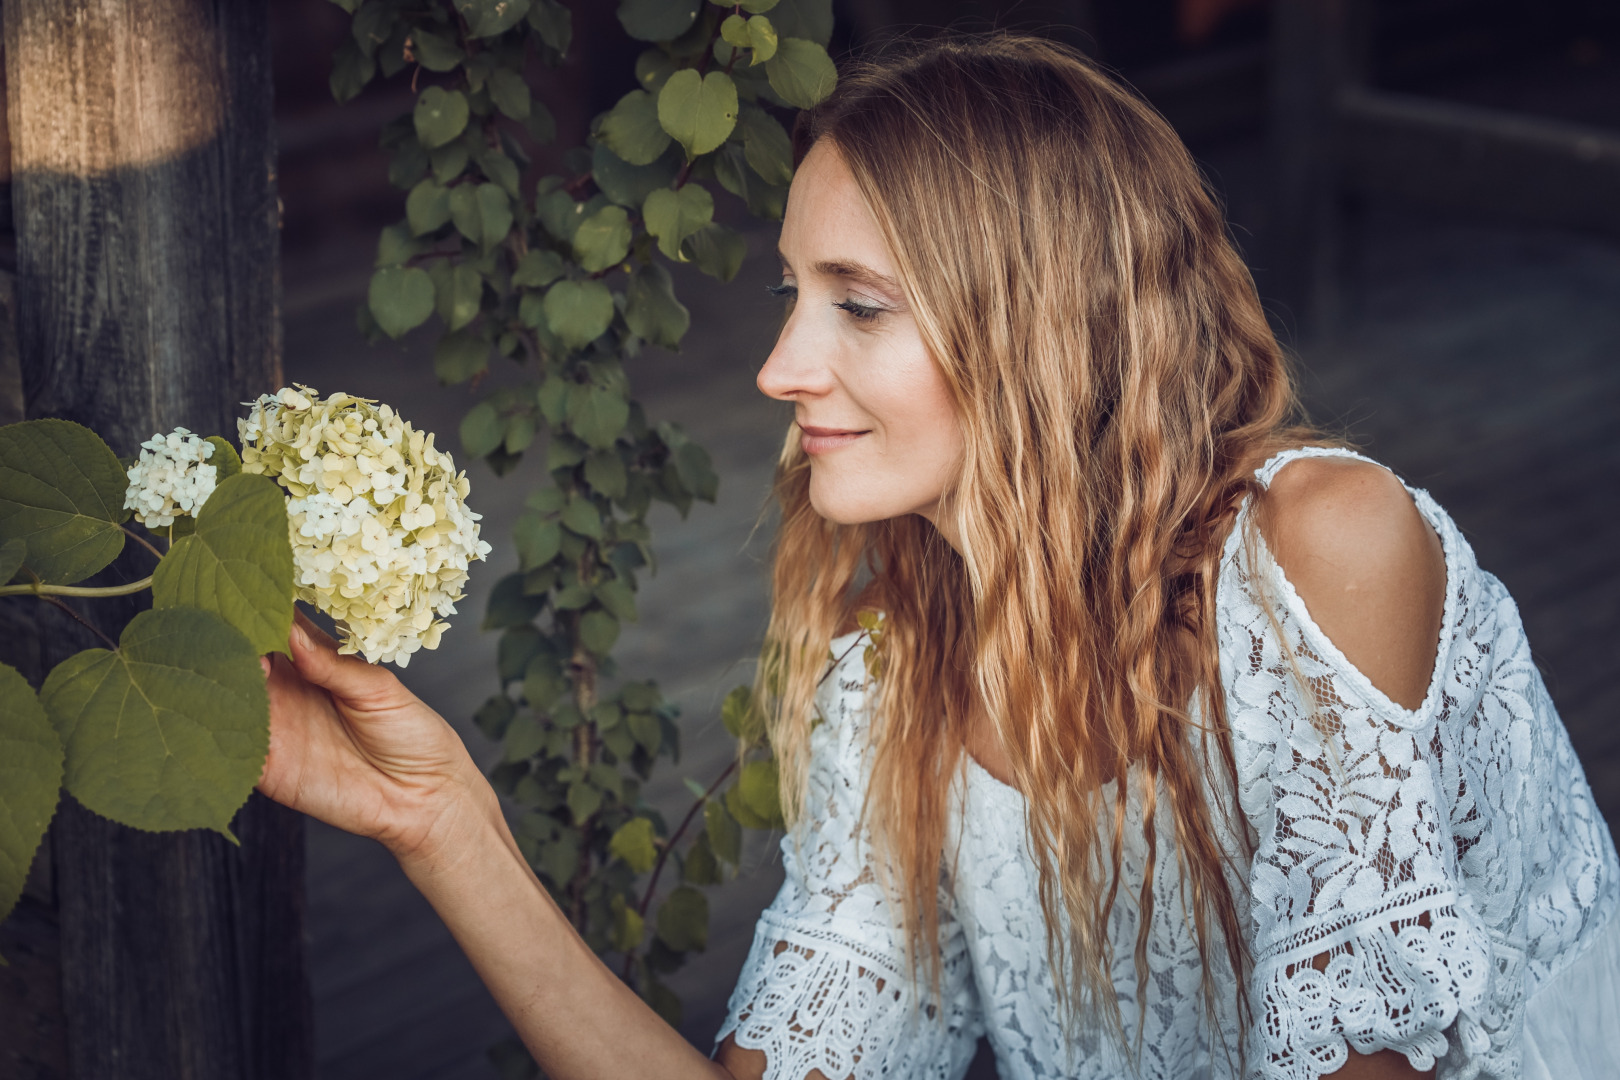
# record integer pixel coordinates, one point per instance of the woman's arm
(351, 746)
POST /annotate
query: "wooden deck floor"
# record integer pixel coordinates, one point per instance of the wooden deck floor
(1480, 363)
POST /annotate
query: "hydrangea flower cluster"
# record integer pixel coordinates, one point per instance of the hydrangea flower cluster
(172, 478)
(381, 534)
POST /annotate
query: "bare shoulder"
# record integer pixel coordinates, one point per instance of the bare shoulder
(1364, 560)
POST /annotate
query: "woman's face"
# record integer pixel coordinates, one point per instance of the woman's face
(871, 406)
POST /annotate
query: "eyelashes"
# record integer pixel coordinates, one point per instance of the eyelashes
(856, 310)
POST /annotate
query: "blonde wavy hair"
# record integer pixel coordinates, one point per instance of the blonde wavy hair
(1117, 384)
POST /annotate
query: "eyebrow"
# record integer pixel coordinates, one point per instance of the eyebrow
(854, 271)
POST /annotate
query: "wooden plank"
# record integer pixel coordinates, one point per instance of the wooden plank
(146, 299)
(1459, 157)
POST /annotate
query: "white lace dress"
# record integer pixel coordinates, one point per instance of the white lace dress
(1449, 860)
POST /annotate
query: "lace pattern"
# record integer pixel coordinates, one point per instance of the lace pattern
(1399, 896)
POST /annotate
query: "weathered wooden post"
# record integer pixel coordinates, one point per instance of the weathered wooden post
(144, 207)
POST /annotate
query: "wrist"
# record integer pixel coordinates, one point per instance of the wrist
(460, 819)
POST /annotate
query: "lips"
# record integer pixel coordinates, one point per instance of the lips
(820, 440)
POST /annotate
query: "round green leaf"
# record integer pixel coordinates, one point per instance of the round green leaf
(465, 213)
(509, 606)
(435, 51)
(440, 116)
(170, 731)
(756, 7)
(605, 471)
(582, 517)
(494, 214)
(538, 268)
(481, 429)
(698, 111)
(673, 215)
(603, 239)
(238, 563)
(628, 926)
(717, 251)
(459, 356)
(759, 787)
(683, 920)
(553, 22)
(754, 33)
(509, 93)
(459, 294)
(801, 72)
(658, 20)
(30, 781)
(598, 631)
(401, 298)
(427, 206)
(629, 185)
(651, 310)
(633, 842)
(578, 312)
(487, 18)
(812, 19)
(766, 146)
(225, 460)
(725, 836)
(62, 494)
(597, 415)
(583, 801)
(741, 716)
(632, 131)
(538, 540)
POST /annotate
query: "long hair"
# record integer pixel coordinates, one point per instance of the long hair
(1116, 384)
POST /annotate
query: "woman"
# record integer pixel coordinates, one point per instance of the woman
(1200, 747)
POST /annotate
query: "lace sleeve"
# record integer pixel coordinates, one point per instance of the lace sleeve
(826, 984)
(1363, 936)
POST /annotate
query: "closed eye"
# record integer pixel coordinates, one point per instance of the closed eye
(859, 311)
(786, 290)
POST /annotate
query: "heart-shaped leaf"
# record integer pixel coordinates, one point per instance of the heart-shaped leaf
(698, 111)
(802, 72)
(578, 312)
(400, 298)
(30, 781)
(170, 731)
(238, 564)
(62, 494)
(440, 116)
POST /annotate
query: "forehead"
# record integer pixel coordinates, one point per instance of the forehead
(827, 220)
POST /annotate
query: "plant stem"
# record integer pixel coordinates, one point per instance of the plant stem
(54, 602)
(35, 589)
(141, 540)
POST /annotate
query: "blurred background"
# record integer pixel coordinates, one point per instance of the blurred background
(1428, 193)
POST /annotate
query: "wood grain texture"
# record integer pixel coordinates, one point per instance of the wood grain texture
(144, 202)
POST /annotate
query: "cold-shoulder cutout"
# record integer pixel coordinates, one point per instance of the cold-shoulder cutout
(1368, 567)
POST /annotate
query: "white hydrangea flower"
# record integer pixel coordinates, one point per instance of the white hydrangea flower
(172, 478)
(381, 534)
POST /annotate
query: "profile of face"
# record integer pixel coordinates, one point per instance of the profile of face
(871, 406)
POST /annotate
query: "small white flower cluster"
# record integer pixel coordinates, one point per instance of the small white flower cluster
(171, 479)
(381, 534)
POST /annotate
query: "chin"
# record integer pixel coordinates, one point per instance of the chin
(851, 508)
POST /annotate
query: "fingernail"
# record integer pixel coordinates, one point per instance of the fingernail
(299, 636)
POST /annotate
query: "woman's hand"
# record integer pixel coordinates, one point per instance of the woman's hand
(351, 746)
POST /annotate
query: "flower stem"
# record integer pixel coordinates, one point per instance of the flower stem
(36, 589)
(141, 540)
(54, 602)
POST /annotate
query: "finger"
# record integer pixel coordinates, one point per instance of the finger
(348, 677)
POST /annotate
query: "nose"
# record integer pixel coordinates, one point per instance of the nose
(797, 366)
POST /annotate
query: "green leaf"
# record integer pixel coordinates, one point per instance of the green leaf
(801, 72)
(651, 310)
(811, 19)
(458, 293)
(464, 212)
(760, 790)
(582, 517)
(741, 716)
(509, 93)
(598, 631)
(12, 553)
(225, 460)
(449, 162)
(238, 564)
(701, 867)
(766, 145)
(508, 606)
(487, 18)
(62, 494)
(699, 111)
(597, 415)
(170, 731)
(628, 925)
(653, 69)
(537, 269)
(629, 185)
(543, 682)
(520, 429)
(578, 312)
(523, 737)
(603, 239)
(754, 33)
(683, 920)
(618, 598)
(459, 356)
(633, 842)
(738, 807)
(427, 206)
(435, 51)
(400, 298)
(697, 471)
(538, 540)
(657, 20)
(553, 22)
(494, 715)
(631, 129)
(30, 781)
(725, 835)
(673, 215)
(717, 250)
(440, 116)
(396, 244)
(583, 801)
(352, 69)
(481, 429)
(494, 214)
